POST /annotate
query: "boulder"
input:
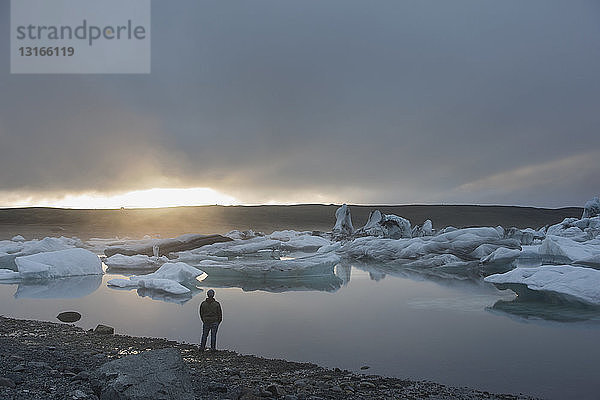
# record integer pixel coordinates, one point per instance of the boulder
(69, 316)
(104, 330)
(156, 374)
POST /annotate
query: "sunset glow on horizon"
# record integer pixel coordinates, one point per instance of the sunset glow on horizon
(149, 198)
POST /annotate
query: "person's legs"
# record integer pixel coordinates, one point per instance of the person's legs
(205, 329)
(213, 335)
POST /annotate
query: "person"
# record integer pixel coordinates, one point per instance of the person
(211, 316)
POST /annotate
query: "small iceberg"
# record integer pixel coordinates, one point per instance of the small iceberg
(58, 264)
(168, 278)
(136, 262)
(556, 283)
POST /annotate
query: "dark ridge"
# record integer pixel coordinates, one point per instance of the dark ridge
(170, 222)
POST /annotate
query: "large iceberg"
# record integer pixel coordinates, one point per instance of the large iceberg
(168, 278)
(563, 283)
(11, 249)
(386, 226)
(343, 222)
(591, 208)
(557, 249)
(56, 264)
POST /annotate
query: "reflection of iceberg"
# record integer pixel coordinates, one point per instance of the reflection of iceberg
(544, 310)
(163, 296)
(61, 288)
(321, 283)
(313, 265)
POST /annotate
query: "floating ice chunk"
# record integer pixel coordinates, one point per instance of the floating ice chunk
(191, 257)
(138, 261)
(305, 243)
(241, 247)
(563, 282)
(562, 249)
(167, 278)
(501, 255)
(18, 238)
(165, 285)
(500, 230)
(386, 226)
(287, 235)
(591, 208)
(55, 264)
(243, 235)
(8, 275)
(8, 246)
(525, 236)
(316, 264)
(181, 243)
(427, 228)
(343, 224)
(49, 244)
(590, 262)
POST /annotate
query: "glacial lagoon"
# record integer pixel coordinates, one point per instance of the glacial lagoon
(461, 332)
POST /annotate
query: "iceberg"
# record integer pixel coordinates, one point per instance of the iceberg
(56, 264)
(557, 249)
(9, 275)
(501, 255)
(138, 261)
(423, 230)
(343, 222)
(386, 225)
(315, 264)
(560, 283)
(525, 236)
(591, 208)
(167, 278)
(590, 262)
(16, 249)
(165, 246)
(18, 238)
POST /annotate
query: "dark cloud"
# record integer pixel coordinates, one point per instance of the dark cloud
(365, 102)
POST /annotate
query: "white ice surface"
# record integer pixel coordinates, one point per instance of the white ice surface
(167, 278)
(579, 283)
(562, 248)
(343, 222)
(8, 274)
(55, 264)
(501, 255)
(138, 261)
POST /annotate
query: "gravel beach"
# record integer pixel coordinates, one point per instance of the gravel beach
(43, 360)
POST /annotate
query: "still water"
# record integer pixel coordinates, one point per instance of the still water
(461, 333)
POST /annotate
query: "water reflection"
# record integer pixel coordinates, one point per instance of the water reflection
(545, 311)
(320, 283)
(62, 288)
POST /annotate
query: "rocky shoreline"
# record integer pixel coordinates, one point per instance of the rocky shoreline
(43, 360)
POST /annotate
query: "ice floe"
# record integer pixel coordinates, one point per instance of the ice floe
(168, 278)
(559, 282)
(61, 263)
(136, 262)
(557, 249)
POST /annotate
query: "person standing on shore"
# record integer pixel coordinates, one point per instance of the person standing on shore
(211, 316)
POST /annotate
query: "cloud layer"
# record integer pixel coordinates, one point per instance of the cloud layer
(326, 101)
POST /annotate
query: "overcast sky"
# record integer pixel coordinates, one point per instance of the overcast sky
(489, 102)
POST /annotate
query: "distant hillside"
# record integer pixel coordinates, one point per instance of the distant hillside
(39, 222)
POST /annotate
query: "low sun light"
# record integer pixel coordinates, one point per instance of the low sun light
(150, 198)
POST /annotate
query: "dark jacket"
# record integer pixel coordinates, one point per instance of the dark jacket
(210, 311)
